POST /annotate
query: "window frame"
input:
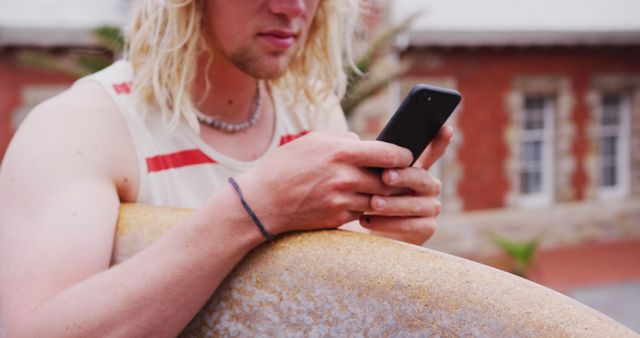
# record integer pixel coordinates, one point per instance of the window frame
(546, 135)
(623, 150)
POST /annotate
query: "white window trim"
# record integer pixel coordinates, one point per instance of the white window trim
(623, 151)
(545, 196)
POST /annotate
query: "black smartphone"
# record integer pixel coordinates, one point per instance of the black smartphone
(419, 118)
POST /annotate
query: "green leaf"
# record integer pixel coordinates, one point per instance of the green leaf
(361, 86)
(93, 63)
(367, 88)
(45, 61)
(110, 37)
(522, 253)
(78, 63)
(382, 42)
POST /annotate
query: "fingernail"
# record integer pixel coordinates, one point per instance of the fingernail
(393, 176)
(380, 203)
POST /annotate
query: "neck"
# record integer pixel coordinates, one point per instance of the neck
(231, 95)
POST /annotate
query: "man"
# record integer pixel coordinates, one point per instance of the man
(249, 76)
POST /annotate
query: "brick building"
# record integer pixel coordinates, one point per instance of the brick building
(547, 141)
(542, 129)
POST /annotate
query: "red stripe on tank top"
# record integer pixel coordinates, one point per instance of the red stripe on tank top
(284, 139)
(177, 160)
(122, 88)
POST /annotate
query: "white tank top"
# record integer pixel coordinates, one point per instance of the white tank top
(178, 168)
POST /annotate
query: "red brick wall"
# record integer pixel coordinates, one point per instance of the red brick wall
(484, 76)
(13, 77)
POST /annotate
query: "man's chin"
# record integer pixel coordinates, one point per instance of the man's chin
(268, 72)
(266, 67)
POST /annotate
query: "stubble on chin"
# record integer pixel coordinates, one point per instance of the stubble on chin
(266, 67)
(260, 65)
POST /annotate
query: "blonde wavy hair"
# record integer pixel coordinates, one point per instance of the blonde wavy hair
(165, 37)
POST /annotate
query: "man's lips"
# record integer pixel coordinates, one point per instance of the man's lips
(278, 38)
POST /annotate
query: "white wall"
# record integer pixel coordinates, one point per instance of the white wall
(521, 15)
(69, 14)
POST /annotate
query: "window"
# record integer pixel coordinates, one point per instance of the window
(536, 149)
(613, 122)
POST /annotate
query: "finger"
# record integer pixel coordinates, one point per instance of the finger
(376, 154)
(344, 134)
(372, 184)
(353, 216)
(424, 226)
(417, 179)
(436, 148)
(406, 205)
(353, 135)
(340, 219)
(359, 203)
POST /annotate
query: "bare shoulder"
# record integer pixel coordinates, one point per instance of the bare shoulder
(83, 107)
(82, 127)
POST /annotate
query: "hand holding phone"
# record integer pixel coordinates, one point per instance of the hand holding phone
(419, 118)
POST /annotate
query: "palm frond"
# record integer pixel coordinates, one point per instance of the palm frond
(360, 77)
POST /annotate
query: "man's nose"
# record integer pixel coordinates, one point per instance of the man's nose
(289, 8)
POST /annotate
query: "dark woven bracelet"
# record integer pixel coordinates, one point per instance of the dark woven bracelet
(255, 218)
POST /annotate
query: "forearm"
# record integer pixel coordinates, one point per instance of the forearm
(156, 292)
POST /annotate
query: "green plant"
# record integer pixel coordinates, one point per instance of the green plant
(79, 62)
(521, 253)
(110, 38)
(366, 80)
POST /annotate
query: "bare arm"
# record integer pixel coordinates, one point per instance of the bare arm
(59, 203)
(60, 189)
